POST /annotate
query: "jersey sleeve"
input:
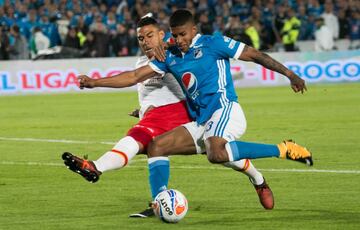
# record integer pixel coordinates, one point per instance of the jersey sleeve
(226, 47)
(159, 67)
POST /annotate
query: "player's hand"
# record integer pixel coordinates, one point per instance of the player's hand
(297, 84)
(85, 82)
(135, 113)
(159, 51)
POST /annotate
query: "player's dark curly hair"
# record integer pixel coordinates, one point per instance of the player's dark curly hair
(181, 17)
(144, 21)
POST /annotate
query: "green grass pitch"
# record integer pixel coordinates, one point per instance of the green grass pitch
(38, 192)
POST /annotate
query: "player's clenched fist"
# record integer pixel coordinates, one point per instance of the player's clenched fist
(86, 82)
(297, 84)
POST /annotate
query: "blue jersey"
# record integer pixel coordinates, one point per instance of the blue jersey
(204, 73)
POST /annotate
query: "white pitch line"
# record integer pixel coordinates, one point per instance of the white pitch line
(55, 141)
(133, 161)
(21, 163)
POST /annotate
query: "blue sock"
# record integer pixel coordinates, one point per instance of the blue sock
(246, 150)
(159, 172)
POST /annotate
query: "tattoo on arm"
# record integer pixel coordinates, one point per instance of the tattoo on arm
(269, 63)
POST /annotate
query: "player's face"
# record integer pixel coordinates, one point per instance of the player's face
(149, 36)
(183, 35)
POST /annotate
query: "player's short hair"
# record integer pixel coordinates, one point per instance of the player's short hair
(147, 20)
(181, 17)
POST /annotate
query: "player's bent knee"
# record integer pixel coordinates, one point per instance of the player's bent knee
(217, 154)
(215, 159)
(218, 157)
(141, 135)
(216, 151)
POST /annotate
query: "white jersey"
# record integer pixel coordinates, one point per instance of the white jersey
(159, 90)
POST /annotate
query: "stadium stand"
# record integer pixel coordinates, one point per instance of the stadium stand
(107, 28)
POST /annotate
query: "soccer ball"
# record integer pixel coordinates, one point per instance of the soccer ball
(170, 206)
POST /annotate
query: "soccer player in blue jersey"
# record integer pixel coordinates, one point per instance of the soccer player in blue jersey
(201, 65)
(162, 109)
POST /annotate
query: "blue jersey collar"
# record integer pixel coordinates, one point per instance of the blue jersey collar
(194, 40)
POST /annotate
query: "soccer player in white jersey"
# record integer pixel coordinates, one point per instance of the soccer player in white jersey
(162, 109)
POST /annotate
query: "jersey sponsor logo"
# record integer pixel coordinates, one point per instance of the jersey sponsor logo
(190, 82)
(198, 53)
(226, 39)
(232, 44)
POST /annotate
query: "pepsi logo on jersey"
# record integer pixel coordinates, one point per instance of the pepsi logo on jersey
(190, 82)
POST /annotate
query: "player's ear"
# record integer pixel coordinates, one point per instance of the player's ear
(194, 30)
(161, 34)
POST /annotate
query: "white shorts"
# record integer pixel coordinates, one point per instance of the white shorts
(228, 122)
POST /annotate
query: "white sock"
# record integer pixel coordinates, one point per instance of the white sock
(119, 156)
(245, 166)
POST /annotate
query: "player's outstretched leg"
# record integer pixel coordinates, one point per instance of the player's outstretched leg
(292, 151)
(238, 150)
(265, 195)
(81, 166)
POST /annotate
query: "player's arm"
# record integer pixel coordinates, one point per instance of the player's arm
(253, 55)
(124, 79)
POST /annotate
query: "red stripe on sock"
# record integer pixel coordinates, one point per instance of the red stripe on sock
(121, 154)
(247, 164)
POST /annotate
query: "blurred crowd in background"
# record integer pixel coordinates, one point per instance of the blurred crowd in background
(107, 28)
